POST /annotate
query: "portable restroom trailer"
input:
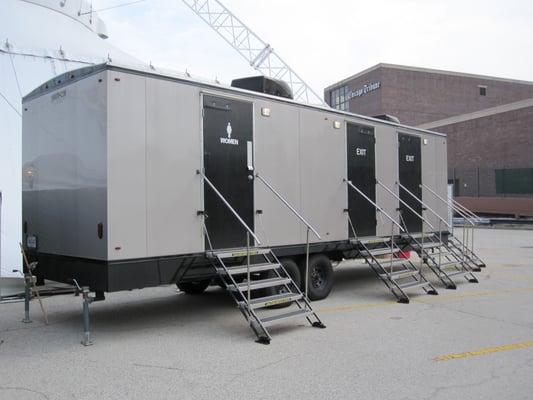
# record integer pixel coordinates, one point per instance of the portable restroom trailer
(134, 178)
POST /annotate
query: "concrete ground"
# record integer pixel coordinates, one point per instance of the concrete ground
(472, 343)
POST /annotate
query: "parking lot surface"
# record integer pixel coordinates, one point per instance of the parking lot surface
(475, 342)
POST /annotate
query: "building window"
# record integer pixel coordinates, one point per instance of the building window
(482, 90)
(340, 97)
(514, 181)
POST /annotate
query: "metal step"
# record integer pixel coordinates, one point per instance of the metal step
(400, 274)
(372, 241)
(413, 284)
(442, 254)
(449, 264)
(387, 263)
(415, 236)
(379, 251)
(261, 284)
(243, 269)
(275, 319)
(236, 253)
(458, 273)
(427, 245)
(274, 300)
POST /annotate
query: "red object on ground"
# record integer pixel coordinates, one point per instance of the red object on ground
(403, 254)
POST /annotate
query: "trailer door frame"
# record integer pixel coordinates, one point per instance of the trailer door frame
(227, 137)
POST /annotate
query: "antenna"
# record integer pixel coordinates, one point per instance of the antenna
(259, 54)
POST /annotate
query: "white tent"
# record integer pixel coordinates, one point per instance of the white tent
(39, 39)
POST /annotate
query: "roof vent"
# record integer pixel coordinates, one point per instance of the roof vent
(387, 117)
(263, 84)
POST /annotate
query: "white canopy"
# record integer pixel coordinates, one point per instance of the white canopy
(39, 39)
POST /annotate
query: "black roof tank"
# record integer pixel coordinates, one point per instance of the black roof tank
(263, 84)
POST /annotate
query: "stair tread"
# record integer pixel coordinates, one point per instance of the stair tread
(237, 252)
(427, 245)
(443, 254)
(243, 269)
(271, 320)
(449, 264)
(379, 251)
(457, 273)
(414, 284)
(372, 241)
(387, 262)
(276, 299)
(400, 274)
(260, 284)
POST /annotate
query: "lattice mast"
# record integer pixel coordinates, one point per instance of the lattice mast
(259, 54)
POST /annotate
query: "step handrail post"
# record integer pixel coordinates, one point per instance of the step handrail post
(376, 206)
(405, 204)
(228, 205)
(248, 263)
(289, 206)
(452, 204)
(307, 263)
(440, 219)
(392, 246)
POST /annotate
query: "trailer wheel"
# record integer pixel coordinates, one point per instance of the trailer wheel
(195, 287)
(320, 279)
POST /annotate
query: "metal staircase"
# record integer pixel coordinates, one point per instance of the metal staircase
(250, 294)
(399, 275)
(257, 280)
(396, 273)
(443, 260)
(466, 246)
(470, 257)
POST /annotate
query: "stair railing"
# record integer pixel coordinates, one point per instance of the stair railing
(380, 209)
(249, 231)
(421, 217)
(309, 226)
(469, 217)
(405, 204)
(440, 219)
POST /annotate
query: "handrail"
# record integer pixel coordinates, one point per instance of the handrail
(451, 205)
(405, 204)
(198, 172)
(288, 205)
(466, 210)
(376, 206)
(424, 204)
(459, 211)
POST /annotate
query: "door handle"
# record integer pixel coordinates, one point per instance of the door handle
(250, 156)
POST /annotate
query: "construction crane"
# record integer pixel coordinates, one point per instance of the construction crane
(259, 54)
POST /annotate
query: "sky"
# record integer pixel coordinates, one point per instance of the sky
(327, 41)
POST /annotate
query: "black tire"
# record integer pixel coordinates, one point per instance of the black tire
(294, 272)
(320, 276)
(195, 287)
(292, 269)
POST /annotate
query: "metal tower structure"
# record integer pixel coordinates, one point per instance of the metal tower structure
(259, 54)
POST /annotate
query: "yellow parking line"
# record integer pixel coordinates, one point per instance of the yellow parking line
(483, 352)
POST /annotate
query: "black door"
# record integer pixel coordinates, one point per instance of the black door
(362, 173)
(410, 172)
(228, 136)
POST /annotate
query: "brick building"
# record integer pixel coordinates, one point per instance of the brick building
(489, 123)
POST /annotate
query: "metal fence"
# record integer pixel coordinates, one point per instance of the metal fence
(492, 182)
